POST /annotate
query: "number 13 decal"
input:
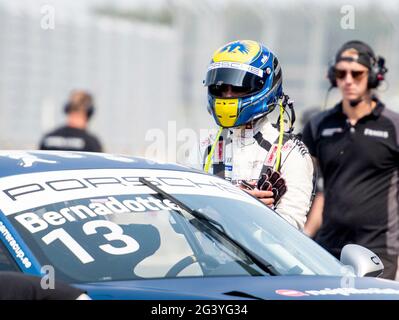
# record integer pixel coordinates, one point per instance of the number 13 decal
(116, 233)
(89, 228)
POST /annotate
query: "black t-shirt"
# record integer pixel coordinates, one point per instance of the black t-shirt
(72, 139)
(19, 286)
(359, 165)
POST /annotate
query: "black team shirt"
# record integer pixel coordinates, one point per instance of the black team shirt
(72, 139)
(359, 165)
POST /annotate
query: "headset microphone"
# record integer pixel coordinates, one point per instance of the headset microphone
(354, 102)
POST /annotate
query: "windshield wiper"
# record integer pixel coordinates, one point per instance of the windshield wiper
(216, 229)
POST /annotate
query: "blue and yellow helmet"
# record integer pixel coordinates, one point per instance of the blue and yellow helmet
(251, 68)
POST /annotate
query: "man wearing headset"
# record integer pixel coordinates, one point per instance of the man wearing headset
(74, 136)
(244, 81)
(356, 145)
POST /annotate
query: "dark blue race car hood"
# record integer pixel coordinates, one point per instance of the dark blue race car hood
(279, 287)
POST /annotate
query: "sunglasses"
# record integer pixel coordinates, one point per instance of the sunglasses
(341, 74)
(218, 90)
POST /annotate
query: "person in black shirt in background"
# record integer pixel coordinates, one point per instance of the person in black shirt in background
(313, 221)
(357, 146)
(73, 136)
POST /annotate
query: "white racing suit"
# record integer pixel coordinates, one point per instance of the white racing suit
(243, 154)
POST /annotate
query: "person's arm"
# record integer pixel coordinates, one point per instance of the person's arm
(19, 286)
(315, 216)
(298, 173)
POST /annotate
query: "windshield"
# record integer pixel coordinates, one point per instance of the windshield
(121, 231)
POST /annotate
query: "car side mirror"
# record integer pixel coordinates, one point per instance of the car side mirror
(364, 261)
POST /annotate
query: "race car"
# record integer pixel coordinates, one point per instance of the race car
(123, 227)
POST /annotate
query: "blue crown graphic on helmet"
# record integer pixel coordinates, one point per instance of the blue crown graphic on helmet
(242, 47)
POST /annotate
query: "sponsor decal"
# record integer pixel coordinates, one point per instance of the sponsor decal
(92, 209)
(220, 151)
(336, 291)
(288, 146)
(264, 59)
(376, 133)
(238, 66)
(303, 150)
(64, 142)
(331, 131)
(271, 156)
(18, 252)
(291, 293)
(26, 191)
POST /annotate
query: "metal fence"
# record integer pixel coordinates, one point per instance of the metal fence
(148, 74)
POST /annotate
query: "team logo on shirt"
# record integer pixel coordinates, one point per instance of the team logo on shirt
(376, 133)
(330, 131)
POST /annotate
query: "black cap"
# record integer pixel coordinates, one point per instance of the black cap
(365, 57)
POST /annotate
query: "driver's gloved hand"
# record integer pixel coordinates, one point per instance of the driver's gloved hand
(271, 180)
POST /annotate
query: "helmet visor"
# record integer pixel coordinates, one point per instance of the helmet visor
(248, 81)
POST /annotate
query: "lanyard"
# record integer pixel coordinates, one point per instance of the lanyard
(209, 157)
